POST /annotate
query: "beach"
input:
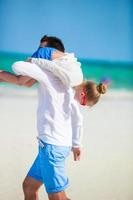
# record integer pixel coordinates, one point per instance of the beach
(105, 171)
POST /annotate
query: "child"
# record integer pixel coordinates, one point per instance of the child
(57, 117)
(87, 89)
(59, 127)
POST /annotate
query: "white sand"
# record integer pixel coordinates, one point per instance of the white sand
(105, 171)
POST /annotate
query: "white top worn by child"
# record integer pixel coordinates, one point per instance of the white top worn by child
(66, 68)
(59, 120)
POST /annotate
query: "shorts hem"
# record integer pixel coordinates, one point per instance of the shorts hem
(34, 177)
(59, 189)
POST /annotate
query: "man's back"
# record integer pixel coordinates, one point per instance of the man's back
(54, 111)
(56, 107)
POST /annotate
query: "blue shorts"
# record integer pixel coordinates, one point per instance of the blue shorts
(49, 167)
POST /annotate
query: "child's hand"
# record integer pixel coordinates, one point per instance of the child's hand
(29, 59)
(76, 153)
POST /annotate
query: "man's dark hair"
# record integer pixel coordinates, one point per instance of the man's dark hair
(53, 42)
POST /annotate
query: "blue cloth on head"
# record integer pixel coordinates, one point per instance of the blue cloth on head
(43, 52)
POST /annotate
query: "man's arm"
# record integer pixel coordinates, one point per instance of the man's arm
(26, 81)
(18, 80)
(30, 82)
(8, 77)
(30, 70)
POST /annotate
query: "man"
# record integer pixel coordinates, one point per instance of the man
(59, 127)
(58, 130)
(55, 113)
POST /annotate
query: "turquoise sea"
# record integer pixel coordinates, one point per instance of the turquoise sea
(119, 73)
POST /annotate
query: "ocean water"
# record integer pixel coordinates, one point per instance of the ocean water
(119, 74)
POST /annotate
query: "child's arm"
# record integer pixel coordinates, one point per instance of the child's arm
(66, 69)
(77, 130)
(51, 66)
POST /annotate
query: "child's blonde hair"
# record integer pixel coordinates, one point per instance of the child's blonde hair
(94, 91)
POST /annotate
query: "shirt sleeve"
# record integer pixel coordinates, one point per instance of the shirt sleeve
(57, 70)
(77, 125)
(31, 70)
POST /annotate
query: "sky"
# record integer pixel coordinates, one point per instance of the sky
(94, 29)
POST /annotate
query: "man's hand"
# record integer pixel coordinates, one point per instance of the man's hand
(76, 153)
(30, 83)
(26, 81)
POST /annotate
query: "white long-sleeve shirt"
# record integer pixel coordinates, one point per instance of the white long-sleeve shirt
(66, 68)
(59, 121)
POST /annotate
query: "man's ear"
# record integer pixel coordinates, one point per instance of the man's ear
(43, 44)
